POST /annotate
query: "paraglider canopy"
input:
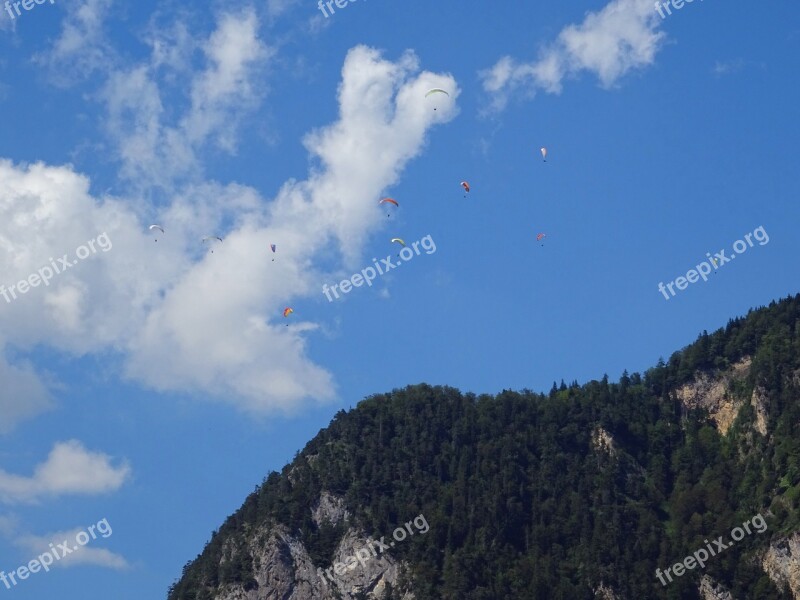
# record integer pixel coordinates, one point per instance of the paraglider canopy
(211, 238)
(398, 241)
(152, 227)
(465, 185)
(540, 237)
(544, 154)
(436, 91)
(389, 201)
(287, 311)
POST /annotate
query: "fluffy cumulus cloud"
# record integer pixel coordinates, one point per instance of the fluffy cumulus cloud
(212, 332)
(609, 43)
(180, 317)
(69, 469)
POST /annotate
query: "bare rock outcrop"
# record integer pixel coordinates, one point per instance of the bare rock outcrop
(712, 393)
(283, 569)
(711, 590)
(604, 442)
(329, 508)
(781, 562)
(605, 593)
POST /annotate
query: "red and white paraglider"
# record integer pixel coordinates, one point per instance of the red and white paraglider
(389, 201)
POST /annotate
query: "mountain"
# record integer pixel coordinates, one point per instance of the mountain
(581, 493)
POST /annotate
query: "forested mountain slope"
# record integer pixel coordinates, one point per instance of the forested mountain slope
(581, 493)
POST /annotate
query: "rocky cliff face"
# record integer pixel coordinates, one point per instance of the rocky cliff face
(714, 392)
(782, 563)
(603, 441)
(605, 593)
(329, 509)
(283, 569)
(711, 590)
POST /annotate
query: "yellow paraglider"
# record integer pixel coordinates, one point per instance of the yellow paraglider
(437, 91)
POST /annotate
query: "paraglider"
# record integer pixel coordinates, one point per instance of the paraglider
(399, 241)
(286, 312)
(540, 237)
(152, 227)
(465, 185)
(544, 154)
(436, 91)
(389, 201)
(273, 250)
(211, 238)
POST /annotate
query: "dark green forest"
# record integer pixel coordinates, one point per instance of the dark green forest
(522, 505)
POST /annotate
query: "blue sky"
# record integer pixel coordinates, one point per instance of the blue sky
(154, 384)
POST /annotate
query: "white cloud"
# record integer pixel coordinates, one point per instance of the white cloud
(154, 153)
(69, 469)
(276, 8)
(79, 555)
(171, 47)
(8, 525)
(621, 37)
(22, 396)
(81, 48)
(229, 84)
(729, 67)
(179, 318)
(227, 344)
